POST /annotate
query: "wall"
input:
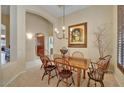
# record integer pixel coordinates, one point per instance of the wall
(118, 74)
(0, 53)
(13, 34)
(94, 16)
(36, 24)
(1, 77)
(6, 21)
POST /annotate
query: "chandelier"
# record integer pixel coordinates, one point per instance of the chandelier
(57, 32)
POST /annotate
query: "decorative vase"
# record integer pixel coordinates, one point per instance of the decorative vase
(63, 50)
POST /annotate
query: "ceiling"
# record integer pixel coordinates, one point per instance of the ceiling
(56, 10)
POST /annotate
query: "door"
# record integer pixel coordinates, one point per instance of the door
(40, 45)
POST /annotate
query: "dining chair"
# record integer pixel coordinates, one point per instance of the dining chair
(46, 52)
(97, 70)
(48, 66)
(64, 72)
(77, 54)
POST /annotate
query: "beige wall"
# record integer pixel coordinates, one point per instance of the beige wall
(118, 74)
(13, 34)
(1, 77)
(6, 21)
(0, 51)
(36, 24)
(94, 16)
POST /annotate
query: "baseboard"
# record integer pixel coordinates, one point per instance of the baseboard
(13, 78)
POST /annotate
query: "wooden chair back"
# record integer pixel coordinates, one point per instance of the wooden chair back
(103, 63)
(65, 66)
(78, 54)
(45, 60)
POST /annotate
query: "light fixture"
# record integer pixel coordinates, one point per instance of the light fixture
(63, 25)
(29, 36)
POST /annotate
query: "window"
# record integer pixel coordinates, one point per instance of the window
(121, 38)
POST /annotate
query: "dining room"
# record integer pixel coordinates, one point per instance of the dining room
(64, 46)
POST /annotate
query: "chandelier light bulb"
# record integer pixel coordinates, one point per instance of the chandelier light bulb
(63, 27)
(56, 30)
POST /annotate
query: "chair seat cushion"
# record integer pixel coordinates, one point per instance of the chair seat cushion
(50, 67)
(65, 73)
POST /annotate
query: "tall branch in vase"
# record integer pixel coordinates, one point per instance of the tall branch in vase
(103, 39)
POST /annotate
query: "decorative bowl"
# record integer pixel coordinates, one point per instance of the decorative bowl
(64, 50)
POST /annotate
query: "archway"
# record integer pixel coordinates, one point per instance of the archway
(37, 24)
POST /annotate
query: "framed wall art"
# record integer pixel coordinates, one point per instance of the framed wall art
(77, 35)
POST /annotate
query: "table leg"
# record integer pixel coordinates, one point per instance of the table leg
(78, 77)
(84, 72)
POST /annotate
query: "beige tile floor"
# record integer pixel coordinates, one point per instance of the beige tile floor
(32, 78)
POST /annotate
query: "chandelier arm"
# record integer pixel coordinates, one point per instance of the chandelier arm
(63, 26)
(63, 37)
(63, 15)
(58, 36)
(63, 34)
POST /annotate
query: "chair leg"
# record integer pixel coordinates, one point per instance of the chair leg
(102, 84)
(41, 66)
(73, 80)
(69, 85)
(56, 73)
(44, 74)
(95, 83)
(88, 83)
(49, 77)
(59, 82)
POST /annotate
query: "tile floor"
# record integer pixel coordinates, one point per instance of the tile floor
(32, 78)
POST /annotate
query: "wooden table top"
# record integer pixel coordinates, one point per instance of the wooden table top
(81, 63)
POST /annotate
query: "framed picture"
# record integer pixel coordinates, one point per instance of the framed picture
(77, 35)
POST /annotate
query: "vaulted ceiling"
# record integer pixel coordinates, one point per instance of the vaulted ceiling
(56, 10)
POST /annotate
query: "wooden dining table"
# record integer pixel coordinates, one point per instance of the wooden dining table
(77, 63)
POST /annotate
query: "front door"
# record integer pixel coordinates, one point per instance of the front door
(40, 45)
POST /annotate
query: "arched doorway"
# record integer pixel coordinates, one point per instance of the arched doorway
(41, 31)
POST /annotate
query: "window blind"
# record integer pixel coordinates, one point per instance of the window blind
(120, 33)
